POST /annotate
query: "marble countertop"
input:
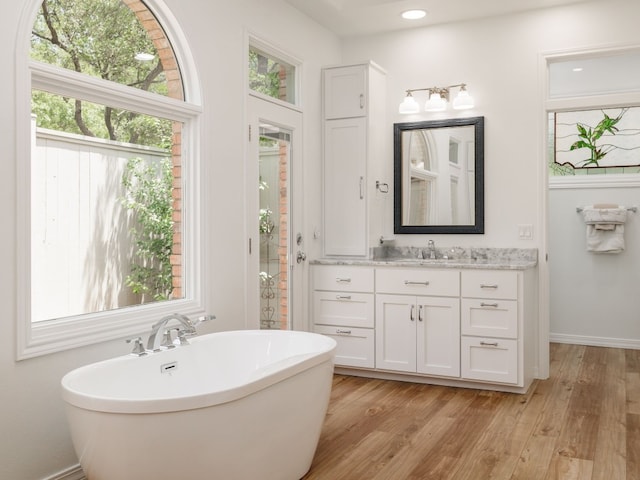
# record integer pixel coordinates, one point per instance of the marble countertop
(456, 257)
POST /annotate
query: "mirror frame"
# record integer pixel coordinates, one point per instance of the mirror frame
(478, 225)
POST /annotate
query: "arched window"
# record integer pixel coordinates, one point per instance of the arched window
(104, 221)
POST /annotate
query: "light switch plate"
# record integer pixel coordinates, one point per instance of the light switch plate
(525, 231)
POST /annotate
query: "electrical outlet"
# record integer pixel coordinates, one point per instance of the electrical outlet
(525, 232)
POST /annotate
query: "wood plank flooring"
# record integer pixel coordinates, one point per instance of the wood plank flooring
(582, 423)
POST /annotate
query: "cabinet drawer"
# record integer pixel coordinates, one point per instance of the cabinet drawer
(343, 309)
(355, 346)
(495, 318)
(418, 281)
(489, 359)
(490, 284)
(343, 278)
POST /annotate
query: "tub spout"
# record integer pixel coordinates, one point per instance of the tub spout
(187, 327)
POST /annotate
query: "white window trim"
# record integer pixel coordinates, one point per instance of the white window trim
(270, 49)
(35, 339)
(618, 180)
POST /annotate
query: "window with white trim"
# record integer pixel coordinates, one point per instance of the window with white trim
(112, 203)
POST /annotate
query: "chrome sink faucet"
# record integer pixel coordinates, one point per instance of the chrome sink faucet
(186, 329)
(431, 246)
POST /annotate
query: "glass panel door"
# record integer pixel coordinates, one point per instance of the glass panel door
(276, 268)
(273, 163)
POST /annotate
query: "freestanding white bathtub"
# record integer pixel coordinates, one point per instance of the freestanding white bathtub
(233, 405)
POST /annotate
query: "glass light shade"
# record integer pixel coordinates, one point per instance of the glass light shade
(409, 105)
(435, 103)
(463, 101)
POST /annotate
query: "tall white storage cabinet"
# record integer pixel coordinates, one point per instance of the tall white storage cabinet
(353, 140)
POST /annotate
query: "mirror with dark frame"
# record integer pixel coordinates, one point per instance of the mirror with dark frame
(439, 176)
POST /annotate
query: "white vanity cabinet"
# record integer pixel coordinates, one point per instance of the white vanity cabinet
(418, 321)
(458, 326)
(343, 308)
(491, 325)
(353, 138)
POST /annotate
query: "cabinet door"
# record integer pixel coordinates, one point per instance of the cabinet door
(438, 336)
(396, 333)
(345, 92)
(345, 210)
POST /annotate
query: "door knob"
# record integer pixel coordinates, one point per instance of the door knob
(301, 257)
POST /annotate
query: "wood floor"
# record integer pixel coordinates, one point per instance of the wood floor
(581, 423)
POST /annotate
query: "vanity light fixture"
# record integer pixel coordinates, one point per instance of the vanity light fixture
(438, 98)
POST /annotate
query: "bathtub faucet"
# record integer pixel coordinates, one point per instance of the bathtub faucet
(186, 329)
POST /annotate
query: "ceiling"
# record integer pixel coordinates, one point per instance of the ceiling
(365, 17)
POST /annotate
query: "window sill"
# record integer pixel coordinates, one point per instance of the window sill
(51, 336)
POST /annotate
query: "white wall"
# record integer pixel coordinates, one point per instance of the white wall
(35, 442)
(499, 59)
(594, 297)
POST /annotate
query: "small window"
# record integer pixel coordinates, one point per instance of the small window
(271, 76)
(598, 133)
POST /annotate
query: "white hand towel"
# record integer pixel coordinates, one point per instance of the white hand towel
(604, 216)
(605, 229)
(605, 241)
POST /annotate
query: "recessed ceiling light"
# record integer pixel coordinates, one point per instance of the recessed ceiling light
(413, 14)
(577, 69)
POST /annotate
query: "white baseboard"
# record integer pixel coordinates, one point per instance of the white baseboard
(71, 473)
(633, 344)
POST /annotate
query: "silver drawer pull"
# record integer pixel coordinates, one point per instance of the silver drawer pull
(345, 297)
(488, 344)
(488, 285)
(343, 280)
(409, 282)
(343, 332)
(483, 304)
(420, 315)
(412, 315)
